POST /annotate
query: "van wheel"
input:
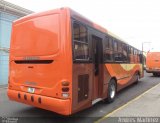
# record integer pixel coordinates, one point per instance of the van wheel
(111, 91)
(137, 78)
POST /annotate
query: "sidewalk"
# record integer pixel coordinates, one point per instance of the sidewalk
(145, 105)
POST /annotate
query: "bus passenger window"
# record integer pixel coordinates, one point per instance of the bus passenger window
(124, 52)
(110, 44)
(115, 46)
(135, 56)
(80, 40)
(107, 44)
(119, 47)
(80, 51)
(118, 55)
(108, 55)
(131, 55)
(79, 32)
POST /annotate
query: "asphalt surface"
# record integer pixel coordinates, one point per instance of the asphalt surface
(27, 113)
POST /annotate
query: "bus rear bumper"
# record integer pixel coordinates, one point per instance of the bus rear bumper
(59, 106)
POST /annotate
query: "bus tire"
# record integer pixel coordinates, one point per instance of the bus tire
(137, 78)
(112, 89)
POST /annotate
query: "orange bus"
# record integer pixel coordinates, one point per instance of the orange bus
(62, 62)
(153, 63)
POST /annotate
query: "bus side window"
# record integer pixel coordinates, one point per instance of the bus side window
(124, 52)
(80, 32)
(131, 56)
(115, 46)
(110, 44)
(106, 42)
(129, 52)
(134, 56)
(80, 40)
(118, 55)
(108, 53)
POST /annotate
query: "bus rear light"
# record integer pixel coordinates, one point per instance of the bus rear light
(65, 95)
(19, 95)
(65, 89)
(65, 83)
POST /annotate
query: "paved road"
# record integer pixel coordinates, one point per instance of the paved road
(28, 113)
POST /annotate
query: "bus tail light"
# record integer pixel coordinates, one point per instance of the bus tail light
(65, 83)
(65, 89)
(65, 95)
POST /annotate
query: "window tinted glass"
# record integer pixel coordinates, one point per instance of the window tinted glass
(80, 51)
(119, 47)
(107, 44)
(118, 57)
(108, 55)
(110, 43)
(124, 52)
(79, 32)
(115, 46)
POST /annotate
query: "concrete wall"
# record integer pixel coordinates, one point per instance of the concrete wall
(5, 34)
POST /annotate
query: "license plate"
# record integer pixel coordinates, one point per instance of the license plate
(31, 90)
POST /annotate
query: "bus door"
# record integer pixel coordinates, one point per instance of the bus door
(97, 67)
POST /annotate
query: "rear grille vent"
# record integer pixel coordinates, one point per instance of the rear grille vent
(83, 87)
(33, 61)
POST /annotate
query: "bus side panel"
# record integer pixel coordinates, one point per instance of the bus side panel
(123, 73)
(106, 78)
(82, 86)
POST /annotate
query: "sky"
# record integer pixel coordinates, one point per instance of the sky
(135, 21)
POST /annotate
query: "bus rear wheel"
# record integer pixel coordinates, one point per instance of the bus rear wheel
(111, 91)
(137, 78)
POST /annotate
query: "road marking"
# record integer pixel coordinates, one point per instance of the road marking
(123, 106)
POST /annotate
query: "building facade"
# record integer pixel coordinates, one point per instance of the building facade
(8, 13)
